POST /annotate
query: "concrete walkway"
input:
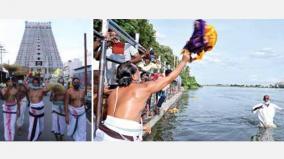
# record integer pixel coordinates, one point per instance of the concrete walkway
(166, 105)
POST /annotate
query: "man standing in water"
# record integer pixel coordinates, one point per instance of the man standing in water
(75, 115)
(126, 103)
(58, 114)
(266, 112)
(10, 109)
(23, 100)
(36, 110)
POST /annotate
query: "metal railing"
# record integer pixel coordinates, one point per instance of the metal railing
(125, 36)
(110, 24)
(154, 98)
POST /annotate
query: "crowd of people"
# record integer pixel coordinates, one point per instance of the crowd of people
(22, 95)
(126, 65)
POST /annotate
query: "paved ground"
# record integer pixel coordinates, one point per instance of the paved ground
(46, 135)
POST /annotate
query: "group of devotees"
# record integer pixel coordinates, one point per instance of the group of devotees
(22, 96)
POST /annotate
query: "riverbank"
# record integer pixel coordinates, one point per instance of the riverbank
(243, 86)
(165, 107)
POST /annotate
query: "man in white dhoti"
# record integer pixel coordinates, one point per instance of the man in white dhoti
(125, 104)
(266, 112)
(77, 123)
(75, 115)
(10, 109)
(36, 110)
(23, 100)
(58, 114)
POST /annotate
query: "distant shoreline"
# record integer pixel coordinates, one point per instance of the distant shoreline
(241, 86)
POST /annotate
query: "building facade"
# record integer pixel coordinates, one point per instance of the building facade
(80, 73)
(70, 65)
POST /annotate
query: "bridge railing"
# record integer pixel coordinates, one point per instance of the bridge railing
(111, 24)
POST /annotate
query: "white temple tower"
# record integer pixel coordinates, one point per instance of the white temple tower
(38, 50)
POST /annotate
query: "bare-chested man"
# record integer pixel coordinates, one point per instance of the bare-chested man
(36, 121)
(23, 100)
(58, 113)
(126, 103)
(75, 111)
(10, 109)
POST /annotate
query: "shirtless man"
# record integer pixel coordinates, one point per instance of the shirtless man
(10, 109)
(58, 114)
(126, 103)
(36, 110)
(75, 111)
(23, 100)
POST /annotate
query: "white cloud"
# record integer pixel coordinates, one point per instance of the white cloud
(160, 35)
(265, 53)
(213, 59)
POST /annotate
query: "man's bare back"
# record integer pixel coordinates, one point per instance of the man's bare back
(132, 98)
(131, 101)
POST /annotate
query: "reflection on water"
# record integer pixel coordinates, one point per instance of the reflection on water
(219, 114)
(263, 135)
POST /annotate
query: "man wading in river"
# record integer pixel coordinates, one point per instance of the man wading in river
(266, 112)
(126, 103)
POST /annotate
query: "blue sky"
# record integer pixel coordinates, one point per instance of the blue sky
(247, 51)
(68, 35)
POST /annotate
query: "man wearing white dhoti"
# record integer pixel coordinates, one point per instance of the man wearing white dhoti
(58, 114)
(125, 104)
(266, 112)
(75, 111)
(10, 109)
(36, 110)
(77, 123)
(23, 100)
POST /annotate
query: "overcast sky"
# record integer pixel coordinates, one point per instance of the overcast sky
(68, 35)
(247, 51)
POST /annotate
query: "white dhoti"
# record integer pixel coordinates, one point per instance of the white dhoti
(58, 118)
(266, 114)
(23, 106)
(10, 116)
(116, 129)
(77, 123)
(36, 120)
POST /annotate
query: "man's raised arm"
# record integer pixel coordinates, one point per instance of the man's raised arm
(155, 86)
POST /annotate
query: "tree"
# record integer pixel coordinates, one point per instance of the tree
(97, 25)
(188, 82)
(141, 26)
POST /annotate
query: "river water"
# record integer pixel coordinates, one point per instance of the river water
(220, 114)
